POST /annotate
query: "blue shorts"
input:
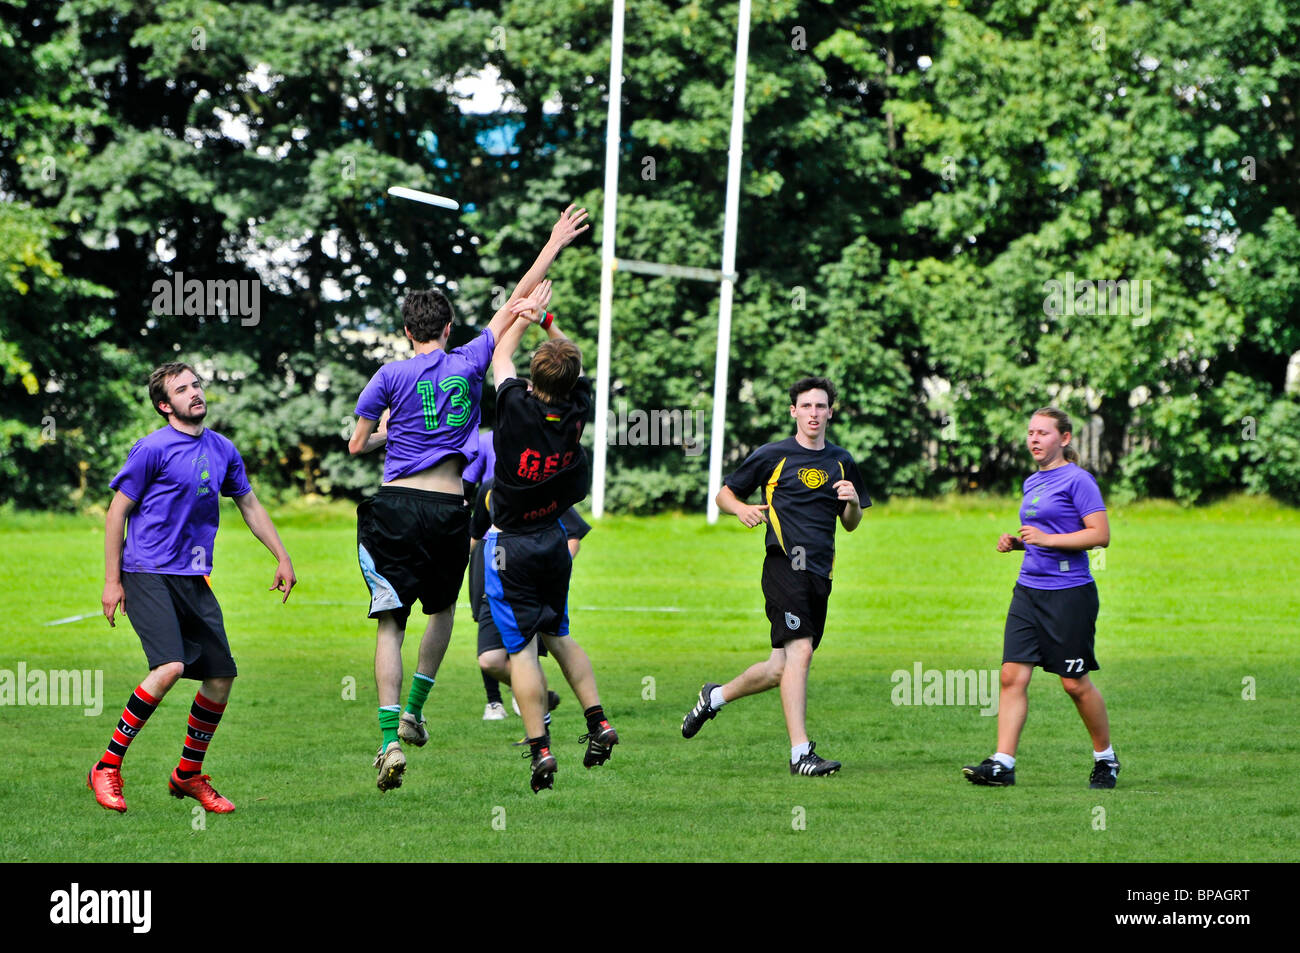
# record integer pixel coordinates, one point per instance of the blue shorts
(526, 579)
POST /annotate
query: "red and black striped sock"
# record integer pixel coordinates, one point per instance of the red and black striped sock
(205, 714)
(137, 711)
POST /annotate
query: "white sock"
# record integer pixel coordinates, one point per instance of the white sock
(798, 751)
(1005, 760)
(715, 698)
(1107, 755)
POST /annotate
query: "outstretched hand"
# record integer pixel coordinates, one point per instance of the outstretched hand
(566, 229)
(534, 306)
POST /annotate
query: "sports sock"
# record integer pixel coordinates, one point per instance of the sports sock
(595, 715)
(1005, 760)
(546, 720)
(798, 751)
(492, 687)
(415, 699)
(137, 711)
(716, 700)
(389, 717)
(537, 744)
(1107, 755)
(205, 715)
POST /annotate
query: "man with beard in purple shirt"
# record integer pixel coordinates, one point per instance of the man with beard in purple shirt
(170, 487)
(413, 535)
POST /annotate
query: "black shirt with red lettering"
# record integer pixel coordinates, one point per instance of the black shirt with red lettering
(541, 469)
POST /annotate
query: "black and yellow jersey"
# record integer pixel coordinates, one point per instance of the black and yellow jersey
(798, 486)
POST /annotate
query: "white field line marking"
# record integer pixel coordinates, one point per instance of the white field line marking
(465, 605)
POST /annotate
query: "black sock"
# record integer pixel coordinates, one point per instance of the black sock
(492, 687)
(595, 715)
(535, 745)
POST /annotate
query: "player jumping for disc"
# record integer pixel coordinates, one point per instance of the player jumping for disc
(493, 660)
(413, 535)
(807, 483)
(541, 471)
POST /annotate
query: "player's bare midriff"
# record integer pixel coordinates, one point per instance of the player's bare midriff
(442, 477)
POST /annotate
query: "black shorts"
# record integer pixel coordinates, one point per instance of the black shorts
(412, 544)
(178, 620)
(526, 580)
(796, 600)
(1053, 628)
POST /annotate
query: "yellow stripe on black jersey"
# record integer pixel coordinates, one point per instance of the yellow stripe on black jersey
(771, 510)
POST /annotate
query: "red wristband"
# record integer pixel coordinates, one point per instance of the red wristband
(547, 321)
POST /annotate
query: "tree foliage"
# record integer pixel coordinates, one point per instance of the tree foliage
(918, 176)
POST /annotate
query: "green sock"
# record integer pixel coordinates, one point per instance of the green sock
(420, 685)
(388, 718)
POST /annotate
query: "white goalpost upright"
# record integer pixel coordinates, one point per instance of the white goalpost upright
(609, 263)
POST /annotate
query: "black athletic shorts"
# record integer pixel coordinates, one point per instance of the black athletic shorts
(1054, 628)
(178, 620)
(412, 544)
(526, 579)
(796, 600)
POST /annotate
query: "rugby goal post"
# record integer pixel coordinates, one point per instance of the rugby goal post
(609, 263)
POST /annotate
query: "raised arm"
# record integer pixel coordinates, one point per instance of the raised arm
(523, 313)
(564, 231)
(259, 521)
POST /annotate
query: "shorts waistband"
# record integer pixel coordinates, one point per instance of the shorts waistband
(429, 496)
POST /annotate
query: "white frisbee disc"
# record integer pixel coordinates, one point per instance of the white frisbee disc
(428, 198)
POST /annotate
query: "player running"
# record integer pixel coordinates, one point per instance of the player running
(541, 471)
(807, 483)
(413, 534)
(169, 487)
(1052, 621)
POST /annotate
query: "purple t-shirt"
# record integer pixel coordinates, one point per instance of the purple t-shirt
(484, 462)
(175, 480)
(1056, 501)
(433, 401)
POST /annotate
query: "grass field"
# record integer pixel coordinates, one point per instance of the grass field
(1194, 604)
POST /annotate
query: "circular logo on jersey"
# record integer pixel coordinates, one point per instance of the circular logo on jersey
(812, 477)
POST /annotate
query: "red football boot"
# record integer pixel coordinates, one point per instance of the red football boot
(106, 782)
(198, 788)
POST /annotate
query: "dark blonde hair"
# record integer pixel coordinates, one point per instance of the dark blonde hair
(1063, 427)
(555, 368)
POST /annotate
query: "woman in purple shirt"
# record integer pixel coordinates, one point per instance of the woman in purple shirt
(1053, 615)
